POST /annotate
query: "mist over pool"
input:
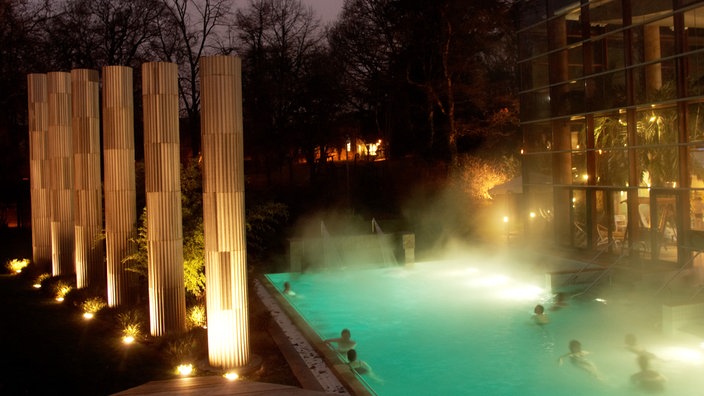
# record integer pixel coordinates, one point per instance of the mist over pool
(464, 327)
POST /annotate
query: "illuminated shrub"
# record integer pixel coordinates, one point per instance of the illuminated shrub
(196, 317)
(61, 289)
(181, 349)
(93, 305)
(39, 281)
(16, 266)
(131, 323)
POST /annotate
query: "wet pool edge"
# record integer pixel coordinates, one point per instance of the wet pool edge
(320, 363)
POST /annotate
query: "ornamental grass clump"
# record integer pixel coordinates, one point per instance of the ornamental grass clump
(61, 289)
(16, 266)
(92, 305)
(130, 325)
(39, 281)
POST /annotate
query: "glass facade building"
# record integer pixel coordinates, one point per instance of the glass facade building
(612, 114)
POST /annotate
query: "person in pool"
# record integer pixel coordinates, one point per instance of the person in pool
(578, 357)
(648, 379)
(360, 366)
(287, 289)
(344, 342)
(560, 301)
(631, 344)
(539, 315)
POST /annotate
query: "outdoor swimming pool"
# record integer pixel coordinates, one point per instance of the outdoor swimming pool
(448, 328)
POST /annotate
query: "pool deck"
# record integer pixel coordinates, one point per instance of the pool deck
(312, 371)
(215, 386)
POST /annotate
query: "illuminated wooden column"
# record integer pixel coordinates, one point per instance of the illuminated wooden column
(39, 178)
(167, 294)
(653, 71)
(223, 211)
(61, 163)
(88, 204)
(119, 183)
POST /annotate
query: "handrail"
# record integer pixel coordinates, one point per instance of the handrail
(678, 273)
(598, 278)
(590, 262)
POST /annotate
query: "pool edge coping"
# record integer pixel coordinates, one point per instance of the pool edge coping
(330, 358)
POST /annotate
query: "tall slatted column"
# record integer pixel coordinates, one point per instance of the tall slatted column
(223, 211)
(39, 187)
(119, 183)
(88, 204)
(167, 295)
(61, 163)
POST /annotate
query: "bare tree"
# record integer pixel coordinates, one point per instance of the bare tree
(192, 29)
(125, 29)
(95, 33)
(277, 39)
(21, 35)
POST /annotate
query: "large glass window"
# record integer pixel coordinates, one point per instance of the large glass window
(607, 52)
(607, 14)
(655, 82)
(579, 156)
(695, 77)
(664, 230)
(535, 105)
(533, 41)
(609, 90)
(534, 73)
(696, 165)
(611, 155)
(694, 25)
(579, 218)
(537, 137)
(695, 123)
(647, 11)
(657, 153)
(576, 66)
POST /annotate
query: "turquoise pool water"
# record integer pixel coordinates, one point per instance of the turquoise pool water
(448, 328)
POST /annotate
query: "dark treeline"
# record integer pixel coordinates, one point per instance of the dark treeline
(434, 80)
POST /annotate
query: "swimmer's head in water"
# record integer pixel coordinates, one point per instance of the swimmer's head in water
(346, 333)
(575, 346)
(539, 309)
(351, 355)
(630, 340)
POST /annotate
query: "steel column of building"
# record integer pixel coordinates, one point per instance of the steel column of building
(167, 295)
(223, 211)
(88, 201)
(39, 169)
(61, 159)
(119, 183)
(561, 138)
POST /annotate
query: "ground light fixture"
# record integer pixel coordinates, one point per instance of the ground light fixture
(231, 376)
(41, 278)
(184, 370)
(61, 292)
(130, 333)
